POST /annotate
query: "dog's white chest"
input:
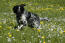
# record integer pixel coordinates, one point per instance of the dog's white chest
(23, 18)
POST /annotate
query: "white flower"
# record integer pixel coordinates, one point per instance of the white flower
(9, 39)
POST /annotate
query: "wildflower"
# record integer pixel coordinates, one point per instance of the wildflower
(61, 8)
(10, 35)
(44, 42)
(42, 37)
(13, 37)
(17, 30)
(40, 41)
(64, 30)
(38, 30)
(0, 27)
(41, 22)
(9, 39)
(9, 27)
(61, 32)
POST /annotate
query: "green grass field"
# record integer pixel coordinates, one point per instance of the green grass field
(52, 31)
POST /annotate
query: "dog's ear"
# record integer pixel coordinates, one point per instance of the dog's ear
(23, 5)
(15, 9)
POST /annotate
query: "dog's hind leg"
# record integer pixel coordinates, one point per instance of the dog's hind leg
(42, 19)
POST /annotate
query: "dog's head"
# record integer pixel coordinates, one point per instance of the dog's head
(18, 9)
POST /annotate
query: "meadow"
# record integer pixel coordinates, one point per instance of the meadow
(52, 31)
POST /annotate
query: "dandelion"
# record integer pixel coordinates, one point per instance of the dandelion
(64, 30)
(44, 42)
(42, 37)
(41, 22)
(9, 34)
(38, 30)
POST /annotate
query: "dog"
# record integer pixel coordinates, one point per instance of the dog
(26, 18)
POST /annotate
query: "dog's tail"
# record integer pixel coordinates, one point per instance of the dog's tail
(44, 19)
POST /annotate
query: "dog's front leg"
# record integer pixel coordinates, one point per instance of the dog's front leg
(20, 26)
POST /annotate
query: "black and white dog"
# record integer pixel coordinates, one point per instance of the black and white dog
(26, 18)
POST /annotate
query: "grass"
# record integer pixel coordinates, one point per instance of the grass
(52, 31)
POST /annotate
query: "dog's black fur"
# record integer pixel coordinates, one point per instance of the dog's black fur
(24, 17)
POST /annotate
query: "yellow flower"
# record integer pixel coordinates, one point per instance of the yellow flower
(44, 42)
(38, 30)
(0, 27)
(9, 27)
(17, 30)
(42, 37)
(64, 30)
(41, 22)
(10, 35)
(61, 8)
(61, 32)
